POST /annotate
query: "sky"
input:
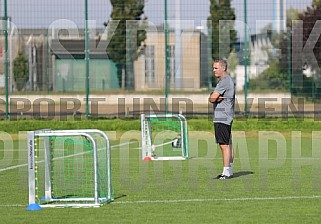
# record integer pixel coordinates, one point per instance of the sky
(44, 13)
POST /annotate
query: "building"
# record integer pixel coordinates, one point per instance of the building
(150, 66)
(56, 61)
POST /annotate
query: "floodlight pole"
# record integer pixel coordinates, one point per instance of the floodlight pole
(246, 57)
(289, 34)
(87, 58)
(178, 46)
(166, 59)
(47, 62)
(6, 58)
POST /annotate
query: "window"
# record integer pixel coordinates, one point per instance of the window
(150, 64)
(172, 63)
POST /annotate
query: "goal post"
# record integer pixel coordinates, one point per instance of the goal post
(69, 168)
(164, 137)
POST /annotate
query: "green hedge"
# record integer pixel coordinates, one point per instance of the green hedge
(204, 124)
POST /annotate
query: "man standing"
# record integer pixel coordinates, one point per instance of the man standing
(223, 98)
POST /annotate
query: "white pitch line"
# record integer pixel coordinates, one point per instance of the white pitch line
(159, 145)
(26, 164)
(16, 205)
(218, 199)
(126, 143)
(202, 200)
(13, 167)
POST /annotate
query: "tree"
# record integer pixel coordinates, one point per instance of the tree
(285, 40)
(271, 78)
(233, 62)
(316, 3)
(291, 14)
(309, 19)
(222, 10)
(125, 10)
(20, 70)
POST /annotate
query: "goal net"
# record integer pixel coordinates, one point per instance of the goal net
(164, 137)
(69, 168)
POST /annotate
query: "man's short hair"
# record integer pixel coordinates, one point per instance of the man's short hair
(222, 62)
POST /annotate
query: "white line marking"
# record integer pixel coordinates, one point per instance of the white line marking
(13, 167)
(26, 164)
(159, 145)
(218, 199)
(126, 143)
(202, 200)
(16, 205)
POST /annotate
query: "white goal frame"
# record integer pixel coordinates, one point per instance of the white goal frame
(33, 169)
(147, 142)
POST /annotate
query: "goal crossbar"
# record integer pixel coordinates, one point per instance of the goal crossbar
(100, 167)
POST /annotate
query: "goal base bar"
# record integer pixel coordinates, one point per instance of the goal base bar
(54, 203)
(168, 158)
(72, 206)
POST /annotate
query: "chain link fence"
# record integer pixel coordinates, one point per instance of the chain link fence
(99, 47)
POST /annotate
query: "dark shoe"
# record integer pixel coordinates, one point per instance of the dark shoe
(223, 177)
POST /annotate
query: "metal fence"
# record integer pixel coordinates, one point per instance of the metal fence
(104, 47)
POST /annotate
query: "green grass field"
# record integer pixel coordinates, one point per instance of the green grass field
(277, 177)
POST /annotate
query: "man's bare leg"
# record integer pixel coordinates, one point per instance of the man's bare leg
(227, 156)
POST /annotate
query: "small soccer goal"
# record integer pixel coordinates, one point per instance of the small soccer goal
(68, 168)
(164, 137)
